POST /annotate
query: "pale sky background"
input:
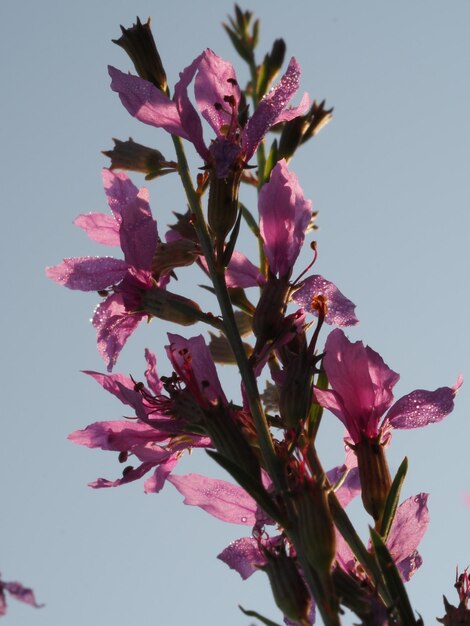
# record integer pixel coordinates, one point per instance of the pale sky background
(390, 178)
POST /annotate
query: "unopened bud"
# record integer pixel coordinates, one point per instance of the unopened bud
(178, 253)
(140, 45)
(296, 392)
(301, 129)
(222, 209)
(374, 475)
(315, 524)
(269, 316)
(132, 156)
(170, 306)
(289, 590)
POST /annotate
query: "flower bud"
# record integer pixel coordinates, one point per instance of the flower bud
(315, 525)
(178, 253)
(170, 306)
(301, 129)
(132, 156)
(268, 319)
(296, 392)
(289, 590)
(222, 208)
(374, 475)
(140, 45)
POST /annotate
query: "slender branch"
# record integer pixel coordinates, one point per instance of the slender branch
(233, 336)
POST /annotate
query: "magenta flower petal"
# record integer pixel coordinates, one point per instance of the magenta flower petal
(219, 498)
(156, 482)
(193, 361)
(138, 232)
(117, 435)
(20, 593)
(408, 528)
(361, 383)
(189, 117)
(420, 407)
(284, 217)
(145, 102)
(244, 556)
(340, 310)
(88, 273)
(215, 81)
(292, 112)
(269, 110)
(114, 325)
(113, 383)
(130, 476)
(153, 379)
(241, 272)
(99, 227)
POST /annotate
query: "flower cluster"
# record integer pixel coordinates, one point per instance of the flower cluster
(300, 533)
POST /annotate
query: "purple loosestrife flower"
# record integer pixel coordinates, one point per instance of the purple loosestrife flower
(409, 526)
(158, 436)
(218, 99)
(132, 227)
(17, 591)
(285, 215)
(362, 391)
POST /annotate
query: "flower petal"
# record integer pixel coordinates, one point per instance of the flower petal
(244, 556)
(100, 228)
(215, 80)
(340, 310)
(270, 108)
(146, 103)
(189, 117)
(284, 217)
(219, 498)
(114, 325)
(117, 435)
(193, 361)
(21, 593)
(241, 272)
(88, 273)
(408, 528)
(361, 379)
(421, 407)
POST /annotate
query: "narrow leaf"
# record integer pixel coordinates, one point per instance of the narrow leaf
(393, 498)
(265, 620)
(393, 581)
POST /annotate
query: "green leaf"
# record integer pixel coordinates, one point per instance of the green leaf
(393, 498)
(271, 160)
(347, 530)
(265, 620)
(393, 582)
(251, 486)
(229, 248)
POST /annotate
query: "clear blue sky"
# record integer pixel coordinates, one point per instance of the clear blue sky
(389, 176)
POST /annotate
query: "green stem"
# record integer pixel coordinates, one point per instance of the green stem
(231, 331)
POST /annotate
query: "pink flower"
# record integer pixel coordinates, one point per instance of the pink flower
(195, 366)
(408, 528)
(217, 97)
(131, 226)
(362, 391)
(284, 217)
(17, 591)
(157, 438)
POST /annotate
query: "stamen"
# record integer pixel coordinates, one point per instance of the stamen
(313, 246)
